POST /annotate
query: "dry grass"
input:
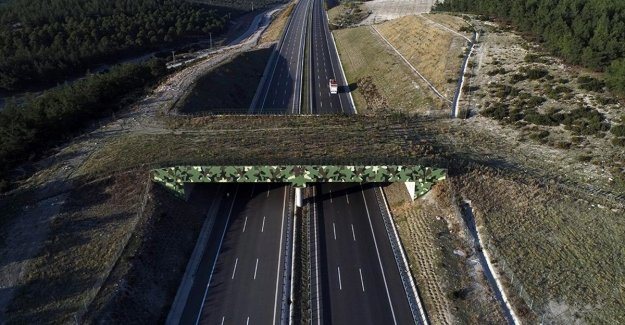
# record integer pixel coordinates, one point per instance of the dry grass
(453, 291)
(335, 12)
(267, 140)
(227, 87)
(84, 242)
(565, 251)
(383, 10)
(274, 30)
(146, 277)
(454, 22)
(434, 52)
(363, 54)
(345, 15)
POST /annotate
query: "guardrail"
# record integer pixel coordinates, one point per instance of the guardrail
(416, 306)
(182, 295)
(286, 276)
(274, 57)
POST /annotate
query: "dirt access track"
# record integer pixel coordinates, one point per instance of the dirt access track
(71, 238)
(84, 228)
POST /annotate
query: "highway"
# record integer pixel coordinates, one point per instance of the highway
(282, 88)
(324, 65)
(241, 273)
(354, 276)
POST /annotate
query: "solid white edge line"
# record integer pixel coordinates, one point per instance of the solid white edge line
(375, 242)
(316, 258)
(300, 60)
(279, 49)
(197, 321)
(326, 31)
(405, 261)
(309, 42)
(351, 98)
(292, 286)
(275, 305)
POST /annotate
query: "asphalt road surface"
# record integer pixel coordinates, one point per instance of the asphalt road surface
(354, 276)
(282, 89)
(325, 65)
(242, 269)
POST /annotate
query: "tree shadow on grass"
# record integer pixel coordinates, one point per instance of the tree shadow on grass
(79, 248)
(51, 299)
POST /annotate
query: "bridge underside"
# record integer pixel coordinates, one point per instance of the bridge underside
(418, 179)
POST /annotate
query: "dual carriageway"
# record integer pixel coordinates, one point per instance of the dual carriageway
(244, 275)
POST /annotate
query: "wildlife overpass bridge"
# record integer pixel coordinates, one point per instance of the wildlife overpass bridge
(418, 179)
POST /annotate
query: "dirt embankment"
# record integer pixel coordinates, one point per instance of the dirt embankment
(559, 254)
(144, 282)
(83, 241)
(447, 273)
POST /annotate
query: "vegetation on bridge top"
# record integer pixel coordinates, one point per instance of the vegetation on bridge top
(270, 140)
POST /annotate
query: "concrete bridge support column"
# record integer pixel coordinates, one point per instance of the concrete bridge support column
(411, 189)
(299, 201)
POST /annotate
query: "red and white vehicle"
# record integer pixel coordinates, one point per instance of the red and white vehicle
(334, 87)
